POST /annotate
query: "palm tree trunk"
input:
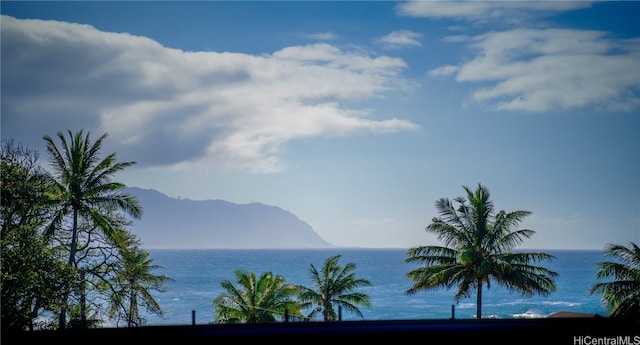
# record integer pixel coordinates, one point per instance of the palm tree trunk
(72, 262)
(62, 320)
(83, 300)
(479, 300)
(132, 309)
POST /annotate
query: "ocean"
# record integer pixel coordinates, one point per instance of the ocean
(197, 275)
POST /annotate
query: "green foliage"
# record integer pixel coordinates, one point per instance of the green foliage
(254, 299)
(85, 191)
(132, 284)
(333, 286)
(621, 293)
(79, 213)
(32, 274)
(84, 184)
(477, 250)
(83, 317)
(32, 278)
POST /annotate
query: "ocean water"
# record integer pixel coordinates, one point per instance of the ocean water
(197, 275)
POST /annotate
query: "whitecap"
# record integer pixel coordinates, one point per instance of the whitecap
(466, 305)
(563, 303)
(529, 314)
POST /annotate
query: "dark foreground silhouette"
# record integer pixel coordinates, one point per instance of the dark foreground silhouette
(492, 331)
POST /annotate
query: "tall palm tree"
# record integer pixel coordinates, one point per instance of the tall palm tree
(85, 188)
(133, 282)
(256, 299)
(477, 249)
(621, 295)
(333, 286)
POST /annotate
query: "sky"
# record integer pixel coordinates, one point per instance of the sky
(354, 116)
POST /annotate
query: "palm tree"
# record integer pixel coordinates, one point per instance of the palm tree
(477, 249)
(256, 299)
(621, 295)
(333, 286)
(85, 188)
(133, 281)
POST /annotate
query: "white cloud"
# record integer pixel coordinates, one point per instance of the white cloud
(541, 70)
(323, 36)
(486, 11)
(400, 38)
(456, 38)
(444, 70)
(204, 110)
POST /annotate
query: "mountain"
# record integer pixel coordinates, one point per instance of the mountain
(189, 224)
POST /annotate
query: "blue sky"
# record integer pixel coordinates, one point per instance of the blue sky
(354, 116)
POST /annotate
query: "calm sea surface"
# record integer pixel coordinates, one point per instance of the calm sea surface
(197, 276)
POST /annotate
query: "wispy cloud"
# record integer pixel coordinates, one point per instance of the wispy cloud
(486, 11)
(536, 67)
(323, 36)
(193, 110)
(400, 38)
(541, 70)
(444, 70)
(456, 38)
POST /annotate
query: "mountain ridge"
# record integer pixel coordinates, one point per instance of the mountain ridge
(177, 223)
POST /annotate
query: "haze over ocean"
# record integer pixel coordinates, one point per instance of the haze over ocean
(197, 276)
